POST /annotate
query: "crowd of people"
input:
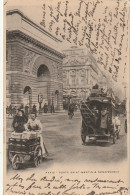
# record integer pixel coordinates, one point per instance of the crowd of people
(12, 110)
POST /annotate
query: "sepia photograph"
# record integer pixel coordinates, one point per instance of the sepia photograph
(66, 97)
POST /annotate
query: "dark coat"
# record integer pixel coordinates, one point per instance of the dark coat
(71, 108)
(18, 123)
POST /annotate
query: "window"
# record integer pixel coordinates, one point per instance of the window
(73, 80)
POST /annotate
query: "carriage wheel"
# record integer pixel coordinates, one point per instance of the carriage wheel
(37, 156)
(16, 162)
(83, 137)
(114, 138)
(118, 137)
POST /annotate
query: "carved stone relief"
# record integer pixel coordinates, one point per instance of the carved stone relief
(28, 61)
(64, 74)
(77, 60)
(72, 73)
(82, 73)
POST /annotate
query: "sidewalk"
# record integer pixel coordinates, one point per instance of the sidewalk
(51, 114)
(61, 112)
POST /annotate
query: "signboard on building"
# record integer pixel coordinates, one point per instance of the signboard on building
(40, 98)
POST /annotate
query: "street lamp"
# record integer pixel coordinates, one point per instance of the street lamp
(125, 91)
(52, 97)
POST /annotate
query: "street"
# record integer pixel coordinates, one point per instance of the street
(63, 142)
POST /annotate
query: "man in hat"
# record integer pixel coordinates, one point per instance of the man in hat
(34, 109)
(104, 120)
(45, 108)
(71, 110)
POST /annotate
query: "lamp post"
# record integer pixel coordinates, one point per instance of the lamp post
(124, 85)
(52, 98)
(125, 91)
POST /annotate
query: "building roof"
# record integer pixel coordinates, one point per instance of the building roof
(79, 56)
(16, 20)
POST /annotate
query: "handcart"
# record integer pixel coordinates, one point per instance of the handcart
(21, 151)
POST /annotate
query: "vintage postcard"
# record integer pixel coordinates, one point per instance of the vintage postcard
(66, 97)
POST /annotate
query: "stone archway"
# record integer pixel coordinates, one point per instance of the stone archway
(27, 97)
(43, 76)
(42, 60)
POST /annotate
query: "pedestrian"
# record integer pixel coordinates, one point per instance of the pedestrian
(34, 124)
(19, 121)
(45, 108)
(26, 111)
(71, 110)
(34, 109)
(95, 112)
(14, 111)
(52, 108)
(125, 125)
(10, 110)
(21, 107)
(7, 110)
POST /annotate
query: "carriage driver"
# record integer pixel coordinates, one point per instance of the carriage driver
(34, 124)
(104, 120)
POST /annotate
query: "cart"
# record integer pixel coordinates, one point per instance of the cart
(91, 118)
(21, 151)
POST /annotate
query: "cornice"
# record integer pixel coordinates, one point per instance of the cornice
(17, 34)
(16, 11)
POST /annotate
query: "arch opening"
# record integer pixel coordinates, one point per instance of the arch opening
(43, 75)
(27, 99)
(43, 71)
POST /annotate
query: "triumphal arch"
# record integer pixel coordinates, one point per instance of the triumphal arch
(33, 64)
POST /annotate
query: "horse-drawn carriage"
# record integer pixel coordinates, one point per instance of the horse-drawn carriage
(97, 114)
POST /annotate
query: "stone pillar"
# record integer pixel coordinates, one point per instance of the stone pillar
(16, 90)
(68, 78)
(8, 95)
(49, 94)
(60, 97)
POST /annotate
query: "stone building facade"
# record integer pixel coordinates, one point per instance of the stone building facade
(80, 74)
(33, 64)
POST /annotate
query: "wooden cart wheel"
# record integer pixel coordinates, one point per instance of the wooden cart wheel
(10, 156)
(37, 156)
(16, 162)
